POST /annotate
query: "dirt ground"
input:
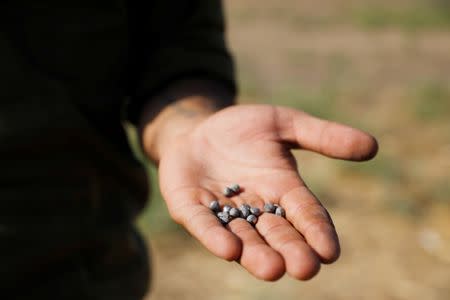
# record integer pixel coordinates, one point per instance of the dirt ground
(377, 65)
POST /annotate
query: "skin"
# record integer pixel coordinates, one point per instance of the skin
(201, 147)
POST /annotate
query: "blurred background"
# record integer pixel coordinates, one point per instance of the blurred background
(382, 66)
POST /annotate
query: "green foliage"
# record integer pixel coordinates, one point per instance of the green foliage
(382, 167)
(440, 191)
(319, 103)
(397, 203)
(432, 101)
(408, 18)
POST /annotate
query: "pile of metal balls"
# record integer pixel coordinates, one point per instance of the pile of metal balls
(227, 213)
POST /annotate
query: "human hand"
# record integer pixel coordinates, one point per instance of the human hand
(250, 145)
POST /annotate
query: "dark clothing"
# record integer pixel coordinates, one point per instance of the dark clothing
(71, 72)
(96, 55)
(114, 267)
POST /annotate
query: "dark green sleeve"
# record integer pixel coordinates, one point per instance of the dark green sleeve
(179, 39)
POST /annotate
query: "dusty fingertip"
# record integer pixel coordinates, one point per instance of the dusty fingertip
(224, 244)
(309, 268)
(373, 147)
(272, 275)
(273, 270)
(369, 147)
(302, 262)
(330, 250)
(331, 255)
(325, 243)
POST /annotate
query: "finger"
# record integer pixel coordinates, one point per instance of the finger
(324, 137)
(257, 257)
(306, 213)
(300, 260)
(186, 209)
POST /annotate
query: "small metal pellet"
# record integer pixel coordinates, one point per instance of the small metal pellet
(234, 212)
(228, 192)
(252, 219)
(224, 220)
(244, 206)
(226, 208)
(280, 212)
(214, 206)
(255, 211)
(224, 217)
(245, 212)
(269, 207)
(235, 188)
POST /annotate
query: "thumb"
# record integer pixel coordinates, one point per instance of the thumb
(324, 137)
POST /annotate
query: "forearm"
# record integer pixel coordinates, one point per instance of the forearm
(177, 110)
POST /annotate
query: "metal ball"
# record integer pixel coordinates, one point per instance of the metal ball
(280, 212)
(245, 212)
(224, 217)
(235, 188)
(234, 212)
(252, 219)
(255, 211)
(244, 206)
(228, 192)
(214, 206)
(226, 208)
(269, 207)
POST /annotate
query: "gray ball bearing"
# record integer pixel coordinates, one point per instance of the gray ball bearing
(235, 188)
(252, 219)
(280, 212)
(222, 214)
(224, 217)
(245, 211)
(228, 192)
(226, 208)
(269, 207)
(244, 206)
(214, 206)
(255, 211)
(234, 212)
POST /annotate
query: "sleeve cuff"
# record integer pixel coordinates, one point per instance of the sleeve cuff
(217, 66)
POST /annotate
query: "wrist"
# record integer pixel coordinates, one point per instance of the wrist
(169, 127)
(184, 106)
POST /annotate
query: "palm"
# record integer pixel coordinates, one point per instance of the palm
(249, 153)
(249, 145)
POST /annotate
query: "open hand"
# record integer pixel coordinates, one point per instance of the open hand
(250, 145)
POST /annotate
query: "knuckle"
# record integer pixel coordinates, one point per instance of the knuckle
(290, 243)
(316, 224)
(274, 228)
